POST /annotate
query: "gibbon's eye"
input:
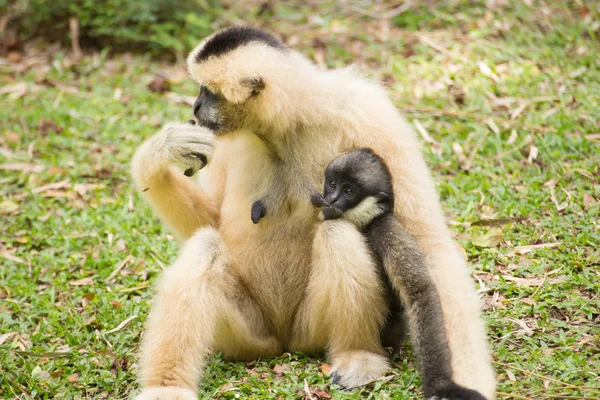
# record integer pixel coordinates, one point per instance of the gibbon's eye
(349, 192)
(332, 184)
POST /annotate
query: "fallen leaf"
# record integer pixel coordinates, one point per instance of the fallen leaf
(594, 137)
(52, 186)
(520, 250)
(115, 304)
(6, 336)
(46, 126)
(226, 387)
(82, 282)
(25, 167)
(8, 256)
(279, 369)
(12, 137)
(159, 84)
(491, 238)
(7, 207)
(83, 188)
(326, 369)
(588, 201)
(73, 378)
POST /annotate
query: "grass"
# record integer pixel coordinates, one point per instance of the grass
(508, 96)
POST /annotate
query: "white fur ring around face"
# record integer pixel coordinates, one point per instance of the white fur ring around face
(167, 393)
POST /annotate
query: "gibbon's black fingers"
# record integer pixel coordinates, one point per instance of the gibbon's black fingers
(330, 212)
(317, 199)
(258, 211)
(452, 391)
(191, 122)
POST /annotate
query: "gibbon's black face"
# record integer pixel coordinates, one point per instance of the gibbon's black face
(352, 178)
(206, 109)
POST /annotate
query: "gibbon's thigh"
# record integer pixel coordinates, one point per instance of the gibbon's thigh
(200, 306)
(345, 306)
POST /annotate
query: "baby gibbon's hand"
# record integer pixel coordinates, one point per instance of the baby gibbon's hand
(317, 199)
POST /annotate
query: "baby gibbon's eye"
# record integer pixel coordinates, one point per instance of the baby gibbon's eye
(349, 192)
(332, 184)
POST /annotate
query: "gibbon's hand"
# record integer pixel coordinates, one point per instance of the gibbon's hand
(189, 144)
(317, 199)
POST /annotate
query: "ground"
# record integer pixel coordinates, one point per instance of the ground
(505, 95)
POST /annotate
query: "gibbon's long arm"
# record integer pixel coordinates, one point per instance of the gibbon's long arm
(417, 207)
(178, 200)
(405, 267)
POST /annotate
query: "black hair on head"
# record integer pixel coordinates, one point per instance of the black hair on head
(232, 38)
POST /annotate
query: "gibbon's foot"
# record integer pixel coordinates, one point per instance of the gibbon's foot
(167, 393)
(452, 391)
(258, 211)
(352, 369)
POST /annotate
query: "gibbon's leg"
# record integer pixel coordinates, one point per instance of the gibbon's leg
(178, 200)
(345, 306)
(200, 306)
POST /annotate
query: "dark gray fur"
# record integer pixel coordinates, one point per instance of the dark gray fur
(403, 264)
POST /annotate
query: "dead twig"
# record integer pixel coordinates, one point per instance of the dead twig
(547, 378)
(74, 29)
(476, 117)
(498, 221)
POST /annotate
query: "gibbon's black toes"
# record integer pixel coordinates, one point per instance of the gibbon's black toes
(189, 172)
(191, 122)
(452, 391)
(317, 199)
(335, 378)
(258, 211)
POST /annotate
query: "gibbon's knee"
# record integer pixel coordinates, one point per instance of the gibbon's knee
(354, 304)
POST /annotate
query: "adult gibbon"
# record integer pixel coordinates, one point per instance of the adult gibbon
(269, 122)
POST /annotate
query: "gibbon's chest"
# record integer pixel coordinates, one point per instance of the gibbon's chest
(253, 173)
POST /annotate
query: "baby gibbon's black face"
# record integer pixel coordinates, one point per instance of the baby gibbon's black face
(350, 179)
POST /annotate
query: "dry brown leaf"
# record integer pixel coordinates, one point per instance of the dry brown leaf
(533, 281)
(520, 250)
(326, 369)
(8, 256)
(73, 378)
(115, 304)
(82, 282)
(8, 207)
(83, 188)
(12, 137)
(226, 387)
(594, 137)
(588, 201)
(25, 167)
(159, 84)
(280, 369)
(14, 91)
(46, 126)
(52, 186)
(6, 336)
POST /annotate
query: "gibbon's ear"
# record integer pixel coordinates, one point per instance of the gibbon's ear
(241, 91)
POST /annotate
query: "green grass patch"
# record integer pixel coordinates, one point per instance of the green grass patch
(508, 95)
